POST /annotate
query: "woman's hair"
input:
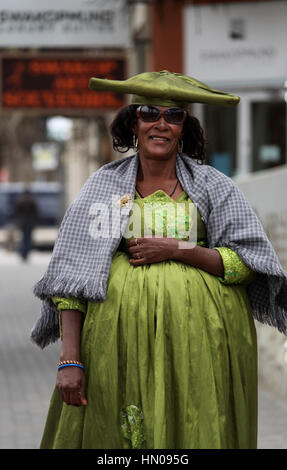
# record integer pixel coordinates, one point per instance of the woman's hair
(123, 136)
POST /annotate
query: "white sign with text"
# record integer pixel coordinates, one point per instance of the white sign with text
(68, 23)
(237, 44)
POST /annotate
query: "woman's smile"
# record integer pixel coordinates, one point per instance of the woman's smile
(159, 139)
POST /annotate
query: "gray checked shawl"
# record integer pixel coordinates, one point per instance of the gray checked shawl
(80, 263)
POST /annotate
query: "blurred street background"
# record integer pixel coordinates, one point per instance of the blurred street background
(54, 133)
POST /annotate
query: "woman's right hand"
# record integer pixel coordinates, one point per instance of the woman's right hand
(71, 385)
(71, 381)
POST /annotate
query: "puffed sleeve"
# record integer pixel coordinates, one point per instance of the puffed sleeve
(235, 271)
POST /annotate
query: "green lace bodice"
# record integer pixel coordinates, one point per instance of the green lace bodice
(158, 214)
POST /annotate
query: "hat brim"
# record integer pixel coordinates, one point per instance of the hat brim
(166, 86)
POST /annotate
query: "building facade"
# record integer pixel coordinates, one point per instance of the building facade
(238, 47)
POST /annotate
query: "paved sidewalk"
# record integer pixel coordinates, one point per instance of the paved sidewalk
(272, 421)
(27, 374)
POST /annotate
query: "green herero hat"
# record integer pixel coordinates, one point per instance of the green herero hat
(165, 89)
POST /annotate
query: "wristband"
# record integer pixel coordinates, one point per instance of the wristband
(70, 364)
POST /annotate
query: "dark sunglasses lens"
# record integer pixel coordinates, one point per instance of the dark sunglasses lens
(149, 113)
(175, 115)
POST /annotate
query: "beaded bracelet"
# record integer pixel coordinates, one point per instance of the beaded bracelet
(70, 364)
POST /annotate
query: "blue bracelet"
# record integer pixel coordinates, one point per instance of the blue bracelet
(71, 365)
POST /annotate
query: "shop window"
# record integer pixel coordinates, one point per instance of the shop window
(268, 135)
(220, 132)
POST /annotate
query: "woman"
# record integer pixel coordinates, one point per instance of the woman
(158, 338)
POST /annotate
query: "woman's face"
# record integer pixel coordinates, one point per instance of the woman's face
(158, 140)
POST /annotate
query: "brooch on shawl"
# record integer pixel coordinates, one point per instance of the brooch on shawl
(124, 201)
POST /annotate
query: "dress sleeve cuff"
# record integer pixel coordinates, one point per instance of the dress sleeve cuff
(68, 304)
(235, 271)
(71, 303)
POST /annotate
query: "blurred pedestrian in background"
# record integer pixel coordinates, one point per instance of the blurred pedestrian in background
(26, 217)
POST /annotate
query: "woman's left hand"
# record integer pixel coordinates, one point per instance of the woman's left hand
(151, 250)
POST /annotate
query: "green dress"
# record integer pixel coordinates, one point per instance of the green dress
(170, 358)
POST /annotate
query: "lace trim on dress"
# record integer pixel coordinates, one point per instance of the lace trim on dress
(132, 426)
(235, 271)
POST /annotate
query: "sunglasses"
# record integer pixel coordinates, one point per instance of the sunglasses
(152, 114)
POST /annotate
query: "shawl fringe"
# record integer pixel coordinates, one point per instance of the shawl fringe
(273, 312)
(62, 286)
(46, 330)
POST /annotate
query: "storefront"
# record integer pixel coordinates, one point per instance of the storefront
(241, 48)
